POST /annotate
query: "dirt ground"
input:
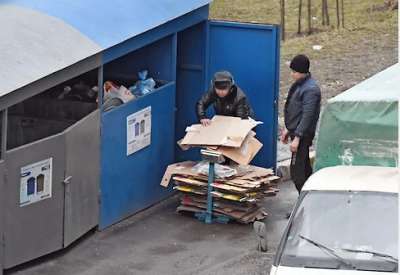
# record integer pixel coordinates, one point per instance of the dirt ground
(337, 73)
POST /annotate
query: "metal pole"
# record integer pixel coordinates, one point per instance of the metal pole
(209, 195)
(4, 125)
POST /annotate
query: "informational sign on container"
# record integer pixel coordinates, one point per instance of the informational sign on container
(36, 182)
(138, 130)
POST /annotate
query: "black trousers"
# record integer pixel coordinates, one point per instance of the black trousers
(300, 166)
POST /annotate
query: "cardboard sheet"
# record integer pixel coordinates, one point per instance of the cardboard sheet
(245, 153)
(223, 131)
(181, 168)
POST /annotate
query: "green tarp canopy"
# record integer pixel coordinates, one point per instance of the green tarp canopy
(361, 125)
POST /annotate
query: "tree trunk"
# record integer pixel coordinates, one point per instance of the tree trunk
(342, 13)
(337, 14)
(327, 13)
(283, 19)
(299, 21)
(323, 12)
(309, 16)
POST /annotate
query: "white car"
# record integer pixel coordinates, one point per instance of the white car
(345, 222)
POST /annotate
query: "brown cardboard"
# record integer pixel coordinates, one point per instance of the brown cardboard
(245, 154)
(183, 147)
(181, 168)
(258, 172)
(223, 131)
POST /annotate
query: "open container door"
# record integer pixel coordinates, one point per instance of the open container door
(251, 53)
(81, 211)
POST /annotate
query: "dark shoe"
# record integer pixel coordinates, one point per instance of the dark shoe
(288, 214)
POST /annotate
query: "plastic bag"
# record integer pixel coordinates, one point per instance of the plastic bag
(144, 85)
(221, 171)
(111, 90)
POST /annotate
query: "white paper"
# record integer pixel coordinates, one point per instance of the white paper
(138, 132)
(36, 182)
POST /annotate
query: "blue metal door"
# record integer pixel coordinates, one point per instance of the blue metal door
(251, 53)
(191, 75)
(130, 182)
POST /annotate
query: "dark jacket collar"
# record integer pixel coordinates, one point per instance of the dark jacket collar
(301, 81)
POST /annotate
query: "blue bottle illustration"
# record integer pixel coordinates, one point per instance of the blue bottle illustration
(30, 190)
(137, 129)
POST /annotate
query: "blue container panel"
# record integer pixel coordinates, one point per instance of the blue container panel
(136, 42)
(157, 58)
(132, 183)
(191, 75)
(251, 53)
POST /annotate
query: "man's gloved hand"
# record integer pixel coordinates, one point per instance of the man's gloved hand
(205, 122)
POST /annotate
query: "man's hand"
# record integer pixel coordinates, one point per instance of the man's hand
(295, 145)
(205, 122)
(284, 136)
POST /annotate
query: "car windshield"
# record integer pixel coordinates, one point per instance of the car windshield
(344, 230)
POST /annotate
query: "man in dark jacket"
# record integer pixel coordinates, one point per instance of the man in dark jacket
(226, 97)
(301, 116)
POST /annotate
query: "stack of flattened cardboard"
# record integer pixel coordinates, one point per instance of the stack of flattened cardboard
(236, 197)
(231, 136)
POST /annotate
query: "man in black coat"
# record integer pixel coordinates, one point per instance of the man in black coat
(301, 116)
(226, 97)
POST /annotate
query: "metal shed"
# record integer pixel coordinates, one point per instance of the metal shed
(66, 166)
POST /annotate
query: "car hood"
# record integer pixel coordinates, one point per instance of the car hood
(284, 270)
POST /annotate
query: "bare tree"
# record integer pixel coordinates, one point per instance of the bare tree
(309, 16)
(327, 12)
(323, 12)
(299, 22)
(342, 4)
(337, 14)
(283, 18)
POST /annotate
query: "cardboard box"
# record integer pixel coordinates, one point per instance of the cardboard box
(245, 153)
(223, 131)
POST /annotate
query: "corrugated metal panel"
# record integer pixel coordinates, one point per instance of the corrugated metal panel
(43, 37)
